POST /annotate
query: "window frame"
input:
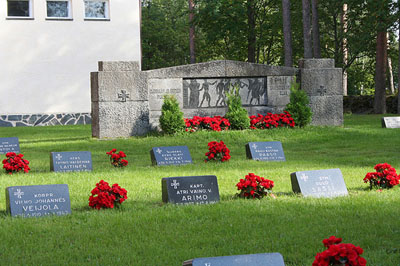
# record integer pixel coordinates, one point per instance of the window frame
(69, 6)
(29, 17)
(106, 10)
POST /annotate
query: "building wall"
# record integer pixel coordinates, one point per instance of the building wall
(45, 65)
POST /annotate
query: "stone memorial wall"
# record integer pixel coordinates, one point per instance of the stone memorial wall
(126, 98)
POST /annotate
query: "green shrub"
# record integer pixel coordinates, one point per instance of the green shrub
(171, 119)
(237, 115)
(298, 106)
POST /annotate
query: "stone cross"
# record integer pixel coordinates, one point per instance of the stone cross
(123, 95)
(58, 157)
(254, 146)
(19, 193)
(159, 151)
(175, 184)
(304, 177)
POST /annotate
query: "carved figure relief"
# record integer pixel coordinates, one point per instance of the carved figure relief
(211, 93)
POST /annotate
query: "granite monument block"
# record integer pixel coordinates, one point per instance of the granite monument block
(171, 155)
(391, 122)
(38, 201)
(190, 189)
(9, 145)
(262, 259)
(71, 161)
(265, 151)
(319, 183)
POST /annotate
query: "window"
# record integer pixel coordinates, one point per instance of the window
(19, 8)
(58, 9)
(96, 9)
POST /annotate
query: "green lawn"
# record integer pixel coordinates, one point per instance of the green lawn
(144, 231)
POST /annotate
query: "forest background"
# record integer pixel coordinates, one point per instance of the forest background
(361, 35)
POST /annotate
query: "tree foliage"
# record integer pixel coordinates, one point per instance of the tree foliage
(225, 29)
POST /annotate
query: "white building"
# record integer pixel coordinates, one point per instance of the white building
(49, 47)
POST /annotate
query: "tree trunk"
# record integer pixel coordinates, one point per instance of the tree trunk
(398, 68)
(251, 33)
(192, 49)
(315, 29)
(380, 73)
(307, 29)
(287, 33)
(391, 79)
(343, 20)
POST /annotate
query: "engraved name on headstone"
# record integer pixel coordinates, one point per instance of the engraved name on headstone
(38, 201)
(190, 189)
(265, 151)
(391, 122)
(171, 155)
(71, 161)
(9, 145)
(319, 183)
(262, 259)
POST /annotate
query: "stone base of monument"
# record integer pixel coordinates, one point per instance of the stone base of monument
(262, 259)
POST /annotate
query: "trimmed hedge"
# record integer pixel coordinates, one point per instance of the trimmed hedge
(364, 104)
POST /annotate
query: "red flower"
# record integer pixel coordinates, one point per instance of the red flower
(15, 163)
(254, 186)
(217, 151)
(384, 177)
(116, 158)
(104, 196)
(338, 253)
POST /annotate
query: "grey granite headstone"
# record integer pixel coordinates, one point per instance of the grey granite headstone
(265, 151)
(71, 161)
(262, 259)
(9, 145)
(327, 183)
(391, 122)
(37, 201)
(190, 189)
(172, 155)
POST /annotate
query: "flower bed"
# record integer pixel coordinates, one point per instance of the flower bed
(219, 123)
(271, 121)
(216, 123)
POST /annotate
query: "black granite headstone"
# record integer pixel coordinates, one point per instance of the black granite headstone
(265, 151)
(71, 161)
(190, 189)
(37, 201)
(9, 145)
(262, 259)
(172, 155)
(391, 122)
(327, 183)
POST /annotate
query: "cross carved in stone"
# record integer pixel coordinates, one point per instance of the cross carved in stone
(321, 90)
(175, 184)
(19, 193)
(123, 95)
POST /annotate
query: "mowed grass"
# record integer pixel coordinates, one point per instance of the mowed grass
(144, 231)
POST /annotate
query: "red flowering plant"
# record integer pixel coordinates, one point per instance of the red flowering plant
(271, 121)
(254, 186)
(339, 254)
(216, 123)
(104, 196)
(116, 158)
(15, 163)
(384, 177)
(217, 151)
